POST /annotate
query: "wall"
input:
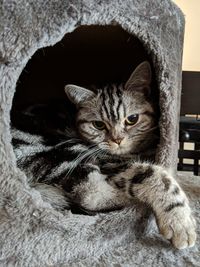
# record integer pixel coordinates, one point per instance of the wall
(191, 55)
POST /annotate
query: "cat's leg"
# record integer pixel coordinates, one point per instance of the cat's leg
(94, 193)
(154, 186)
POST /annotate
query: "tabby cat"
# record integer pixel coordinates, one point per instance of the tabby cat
(100, 163)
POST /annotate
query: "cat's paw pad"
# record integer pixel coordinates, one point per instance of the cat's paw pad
(180, 228)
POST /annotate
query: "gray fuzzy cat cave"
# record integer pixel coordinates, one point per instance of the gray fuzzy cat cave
(45, 45)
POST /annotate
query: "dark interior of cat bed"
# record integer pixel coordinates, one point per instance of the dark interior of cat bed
(90, 55)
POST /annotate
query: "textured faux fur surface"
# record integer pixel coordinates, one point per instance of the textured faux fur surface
(32, 233)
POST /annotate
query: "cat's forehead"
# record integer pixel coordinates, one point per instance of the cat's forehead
(114, 103)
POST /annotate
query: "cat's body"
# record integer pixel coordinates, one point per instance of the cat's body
(101, 163)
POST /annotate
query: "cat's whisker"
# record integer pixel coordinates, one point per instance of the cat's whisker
(81, 157)
(95, 154)
(68, 142)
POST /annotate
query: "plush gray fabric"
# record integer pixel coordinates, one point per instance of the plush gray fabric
(31, 232)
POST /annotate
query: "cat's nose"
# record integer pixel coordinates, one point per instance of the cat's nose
(118, 140)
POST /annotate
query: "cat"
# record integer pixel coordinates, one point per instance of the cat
(106, 160)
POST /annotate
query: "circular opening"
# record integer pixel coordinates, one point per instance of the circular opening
(91, 55)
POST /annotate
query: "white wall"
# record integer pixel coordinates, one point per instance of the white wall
(191, 54)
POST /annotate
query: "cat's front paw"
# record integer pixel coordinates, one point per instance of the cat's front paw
(179, 227)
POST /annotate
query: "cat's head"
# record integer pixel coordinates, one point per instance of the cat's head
(116, 118)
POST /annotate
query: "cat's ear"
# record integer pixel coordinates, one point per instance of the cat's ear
(140, 79)
(77, 94)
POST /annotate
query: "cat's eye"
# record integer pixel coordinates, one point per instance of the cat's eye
(132, 119)
(100, 125)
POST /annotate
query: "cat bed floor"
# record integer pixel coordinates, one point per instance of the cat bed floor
(120, 238)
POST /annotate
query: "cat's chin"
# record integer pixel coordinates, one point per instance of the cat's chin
(120, 151)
